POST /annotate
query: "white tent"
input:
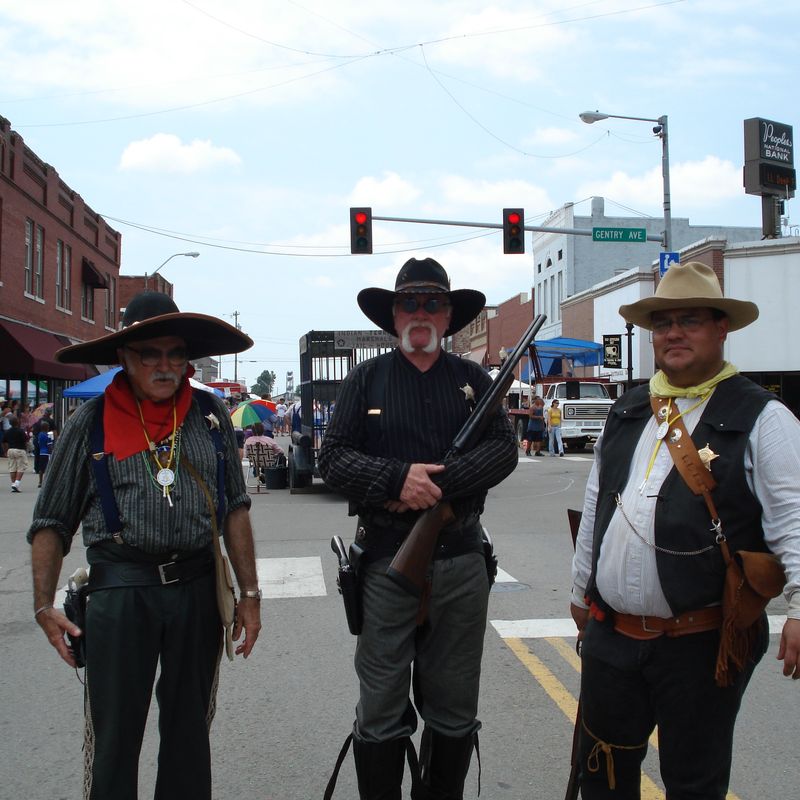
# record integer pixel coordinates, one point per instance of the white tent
(516, 388)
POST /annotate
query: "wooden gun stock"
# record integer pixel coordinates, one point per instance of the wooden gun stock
(409, 567)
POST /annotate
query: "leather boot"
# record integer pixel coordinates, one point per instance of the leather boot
(379, 768)
(444, 763)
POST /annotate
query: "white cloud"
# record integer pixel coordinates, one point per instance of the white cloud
(165, 152)
(694, 185)
(462, 191)
(389, 191)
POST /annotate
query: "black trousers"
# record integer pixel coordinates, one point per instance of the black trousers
(628, 687)
(129, 632)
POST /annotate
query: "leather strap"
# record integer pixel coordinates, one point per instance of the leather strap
(691, 468)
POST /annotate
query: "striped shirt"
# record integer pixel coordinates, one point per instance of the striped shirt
(69, 495)
(421, 414)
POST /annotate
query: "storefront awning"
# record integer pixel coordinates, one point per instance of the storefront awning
(30, 351)
(477, 355)
(91, 275)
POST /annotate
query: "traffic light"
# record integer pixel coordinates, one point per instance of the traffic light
(361, 231)
(513, 231)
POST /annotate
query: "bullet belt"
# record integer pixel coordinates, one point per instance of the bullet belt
(638, 626)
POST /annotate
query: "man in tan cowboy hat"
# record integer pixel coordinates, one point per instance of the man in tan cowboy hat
(150, 471)
(396, 417)
(650, 566)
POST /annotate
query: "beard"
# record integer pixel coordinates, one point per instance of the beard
(433, 339)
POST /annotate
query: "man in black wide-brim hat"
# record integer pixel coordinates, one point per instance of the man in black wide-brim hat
(385, 450)
(151, 471)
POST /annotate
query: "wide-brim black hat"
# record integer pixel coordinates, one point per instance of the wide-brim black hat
(421, 276)
(150, 315)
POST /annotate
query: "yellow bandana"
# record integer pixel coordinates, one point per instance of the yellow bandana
(661, 387)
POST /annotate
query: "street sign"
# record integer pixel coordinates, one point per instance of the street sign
(665, 260)
(620, 235)
(612, 350)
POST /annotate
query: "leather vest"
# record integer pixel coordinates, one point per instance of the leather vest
(682, 520)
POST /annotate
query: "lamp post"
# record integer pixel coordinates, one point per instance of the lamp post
(192, 254)
(660, 130)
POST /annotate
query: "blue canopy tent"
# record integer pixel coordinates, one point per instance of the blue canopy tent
(97, 385)
(560, 355)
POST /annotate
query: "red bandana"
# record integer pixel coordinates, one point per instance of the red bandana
(122, 426)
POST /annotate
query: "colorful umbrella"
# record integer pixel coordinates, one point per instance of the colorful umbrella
(41, 410)
(268, 403)
(245, 414)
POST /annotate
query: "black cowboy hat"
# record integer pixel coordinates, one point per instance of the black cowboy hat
(150, 315)
(421, 276)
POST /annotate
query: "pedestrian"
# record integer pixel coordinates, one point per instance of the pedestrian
(554, 429)
(44, 444)
(167, 479)
(281, 409)
(699, 463)
(535, 432)
(15, 441)
(391, 468)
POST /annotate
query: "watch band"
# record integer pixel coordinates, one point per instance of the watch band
(254, 593)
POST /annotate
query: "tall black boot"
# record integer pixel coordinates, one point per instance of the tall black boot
(444, 763)
(379, 768)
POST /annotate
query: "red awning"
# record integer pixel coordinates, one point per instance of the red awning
(30, 351)
(477, 355)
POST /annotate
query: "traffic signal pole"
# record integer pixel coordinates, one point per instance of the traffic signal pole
(651, 237)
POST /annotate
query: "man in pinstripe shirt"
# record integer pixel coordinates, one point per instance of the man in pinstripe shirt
(129, 468)
(384, 449)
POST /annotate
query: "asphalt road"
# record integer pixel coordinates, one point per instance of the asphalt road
(284, 713)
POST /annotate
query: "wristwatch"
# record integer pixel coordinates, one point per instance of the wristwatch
(254, 593)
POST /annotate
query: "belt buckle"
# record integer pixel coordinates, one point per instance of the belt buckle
(163, 574)
(645, 628)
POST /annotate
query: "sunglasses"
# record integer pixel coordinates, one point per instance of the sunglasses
(689, 323)
(152, 356)
(431, 305)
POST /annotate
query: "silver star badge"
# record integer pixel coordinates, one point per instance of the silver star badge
(469, 393)
(213, 422)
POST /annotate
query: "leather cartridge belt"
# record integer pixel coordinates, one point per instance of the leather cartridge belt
(637, 626)
(129, 574)
(462, 536)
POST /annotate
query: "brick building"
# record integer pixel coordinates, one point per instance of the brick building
(59, 274)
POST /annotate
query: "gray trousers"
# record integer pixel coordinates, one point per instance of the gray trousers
(445, 651)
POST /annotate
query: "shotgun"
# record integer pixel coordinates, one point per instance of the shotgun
(410, 565)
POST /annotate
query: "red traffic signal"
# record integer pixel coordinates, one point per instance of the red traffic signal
(361, 231)
(513, 231)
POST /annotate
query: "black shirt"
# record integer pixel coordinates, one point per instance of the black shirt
(420, 416)
(15, 438)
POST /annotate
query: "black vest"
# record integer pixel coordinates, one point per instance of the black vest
(682, 520)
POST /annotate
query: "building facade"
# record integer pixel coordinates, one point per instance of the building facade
(59, 274)
(566, 264)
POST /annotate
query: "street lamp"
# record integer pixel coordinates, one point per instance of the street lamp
(660, 130)
(193, 254)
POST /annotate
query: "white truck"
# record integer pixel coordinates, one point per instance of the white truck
(584, 407)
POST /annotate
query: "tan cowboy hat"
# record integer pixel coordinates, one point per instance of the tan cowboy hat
(150, 315)
(690, 285)
(421, 276)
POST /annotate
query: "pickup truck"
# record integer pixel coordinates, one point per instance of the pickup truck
(584, 408)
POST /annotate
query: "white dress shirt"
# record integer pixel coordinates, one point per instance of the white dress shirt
(627, 577)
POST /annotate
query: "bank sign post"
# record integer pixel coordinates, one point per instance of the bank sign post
(619, 235)
(769, 168)
(612, 350)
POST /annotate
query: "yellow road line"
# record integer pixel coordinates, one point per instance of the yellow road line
(567, 652)
(565, 701)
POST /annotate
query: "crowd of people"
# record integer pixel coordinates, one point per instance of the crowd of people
(26, 437)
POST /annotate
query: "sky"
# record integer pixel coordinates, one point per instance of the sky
(245, 130)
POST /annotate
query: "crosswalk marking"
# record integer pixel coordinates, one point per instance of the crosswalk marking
(523, 459)
(291, 577)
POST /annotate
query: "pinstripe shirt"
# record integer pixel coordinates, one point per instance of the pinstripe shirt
(420, 416)
(69, 496)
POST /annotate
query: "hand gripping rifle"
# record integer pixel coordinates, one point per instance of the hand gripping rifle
(410, 564)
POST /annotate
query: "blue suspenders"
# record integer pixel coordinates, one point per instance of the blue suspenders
(102, 477)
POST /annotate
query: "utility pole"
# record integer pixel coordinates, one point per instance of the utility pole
(235, 316)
